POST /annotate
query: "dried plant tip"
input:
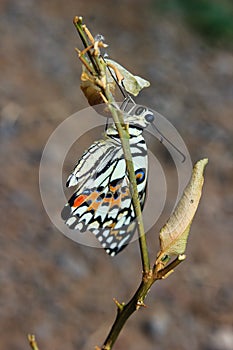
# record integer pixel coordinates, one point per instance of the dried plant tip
(77, 20)
(174, 234)
(133, 84)
(92, 86)
(32, 341)
(96, 48)
(88, 33)
(118, 74)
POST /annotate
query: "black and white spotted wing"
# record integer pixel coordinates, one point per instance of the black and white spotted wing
(102, 201)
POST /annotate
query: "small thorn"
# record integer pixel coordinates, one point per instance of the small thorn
(181, 257)
(77, 19)
(140, 304)
(167, 274)
(104, 98)
(120, 306)
(78, 51)
(32, 341)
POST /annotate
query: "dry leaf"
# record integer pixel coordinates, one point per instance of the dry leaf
(174, 234)
(91, 90)
(133, 84)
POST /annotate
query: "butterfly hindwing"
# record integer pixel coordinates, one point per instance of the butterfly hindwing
(106, 209)
(102, 202)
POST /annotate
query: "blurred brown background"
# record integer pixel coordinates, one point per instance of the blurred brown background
(56, 288)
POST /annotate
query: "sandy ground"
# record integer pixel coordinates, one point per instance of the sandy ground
(60, 290)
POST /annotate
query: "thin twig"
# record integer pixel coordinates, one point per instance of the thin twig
(137, 301)
(32, 341)
(100, 67)
(79, 26)
(124, 136)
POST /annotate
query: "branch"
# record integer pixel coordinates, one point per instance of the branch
(124, 137)
(32, 342)
(137, 301)
(99, 70)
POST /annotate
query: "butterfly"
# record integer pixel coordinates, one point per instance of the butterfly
(102, 202)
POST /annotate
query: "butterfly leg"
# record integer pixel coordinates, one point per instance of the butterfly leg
(127, 100)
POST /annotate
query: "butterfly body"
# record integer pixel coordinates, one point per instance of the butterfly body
(102, 203)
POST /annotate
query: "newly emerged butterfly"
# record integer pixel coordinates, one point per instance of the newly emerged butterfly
(102, 202)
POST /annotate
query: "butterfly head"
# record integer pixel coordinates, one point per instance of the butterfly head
(140, 116)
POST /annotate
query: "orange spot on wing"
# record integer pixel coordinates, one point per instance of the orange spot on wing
(79, 200)
(107, 200)
(113, 189)
(117, 201)
(94, 204)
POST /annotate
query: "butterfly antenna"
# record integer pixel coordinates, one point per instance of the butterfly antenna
(106, 124)
(127, 97)
(122, 89)
(170, 143)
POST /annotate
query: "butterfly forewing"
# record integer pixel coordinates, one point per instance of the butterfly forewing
(102, 202)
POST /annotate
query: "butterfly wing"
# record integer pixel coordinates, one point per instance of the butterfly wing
(102, 202)
(95, 158)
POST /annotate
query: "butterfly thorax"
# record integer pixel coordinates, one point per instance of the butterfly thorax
(135, 133)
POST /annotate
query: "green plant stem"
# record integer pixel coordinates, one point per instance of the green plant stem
(126, 311)
(79, 26)
(32, 342)
(137, 301)
(124, 137)
(99, 67)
